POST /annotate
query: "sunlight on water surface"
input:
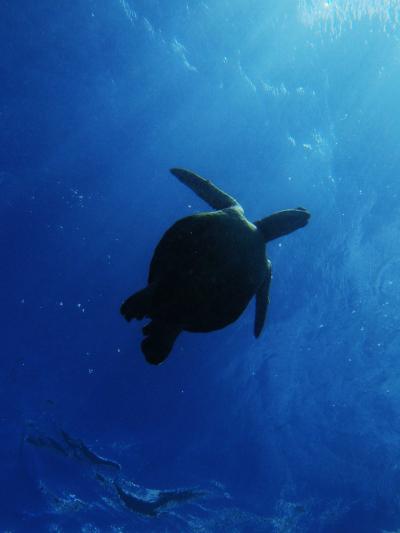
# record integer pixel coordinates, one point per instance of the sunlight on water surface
(334, 15)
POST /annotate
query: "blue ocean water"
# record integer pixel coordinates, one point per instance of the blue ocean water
(281, 104)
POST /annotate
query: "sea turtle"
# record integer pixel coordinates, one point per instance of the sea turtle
(206, 269)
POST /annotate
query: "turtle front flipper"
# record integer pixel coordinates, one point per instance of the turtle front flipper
(205, 189)
(159, 340)
(282, 223)
(262, 301)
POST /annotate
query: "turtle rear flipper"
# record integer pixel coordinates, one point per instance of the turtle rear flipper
(138, 305)
(205, 189)
(159, 340)
(262, 301)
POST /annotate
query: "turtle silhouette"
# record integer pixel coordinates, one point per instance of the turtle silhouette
(206, 268)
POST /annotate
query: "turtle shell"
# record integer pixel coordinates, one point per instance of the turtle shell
(205, 270)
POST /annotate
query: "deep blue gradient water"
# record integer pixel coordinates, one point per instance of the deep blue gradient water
(281, 104)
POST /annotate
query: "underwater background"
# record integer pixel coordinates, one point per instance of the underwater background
(279, 103)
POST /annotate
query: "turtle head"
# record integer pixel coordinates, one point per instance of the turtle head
(282, 223)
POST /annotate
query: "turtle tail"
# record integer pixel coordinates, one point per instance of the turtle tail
(159, 340)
